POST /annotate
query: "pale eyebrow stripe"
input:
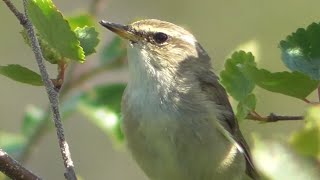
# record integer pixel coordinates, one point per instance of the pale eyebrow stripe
(189, 39)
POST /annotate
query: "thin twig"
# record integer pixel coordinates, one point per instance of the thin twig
(273, 118)
(16, 12)
(53, 95)
(13, 169)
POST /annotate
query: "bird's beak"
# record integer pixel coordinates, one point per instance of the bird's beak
(122, 30)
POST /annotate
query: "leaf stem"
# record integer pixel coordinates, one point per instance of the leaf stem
(13, 169)
(58, 82)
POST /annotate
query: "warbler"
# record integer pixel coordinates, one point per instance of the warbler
(177, 118)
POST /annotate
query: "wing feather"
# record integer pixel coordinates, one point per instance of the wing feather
(211, 86)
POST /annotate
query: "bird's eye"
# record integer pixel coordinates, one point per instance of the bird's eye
(160, 37)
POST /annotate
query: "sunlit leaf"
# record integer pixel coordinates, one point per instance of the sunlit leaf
(88, 38)
(276, 161)
(54, 29)
(21, 74)
(234, 77)
(80, 20)
(307, 140)
(301, 51)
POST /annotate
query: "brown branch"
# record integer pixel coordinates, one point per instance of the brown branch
(53, 94)
(21, 17)
(272, 118)
(14, 169)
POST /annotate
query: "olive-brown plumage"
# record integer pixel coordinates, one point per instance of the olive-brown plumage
(177, 119)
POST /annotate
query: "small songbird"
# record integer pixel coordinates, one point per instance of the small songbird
(177, 118)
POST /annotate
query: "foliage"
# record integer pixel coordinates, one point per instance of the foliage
(21, 74)
(88, 38)
(45, 17)
(277, 161)
(301, 51)
(307, 140)
(296, 158)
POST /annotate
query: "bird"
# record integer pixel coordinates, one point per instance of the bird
(177, 118)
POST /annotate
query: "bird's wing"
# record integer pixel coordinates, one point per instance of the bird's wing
(211, 86)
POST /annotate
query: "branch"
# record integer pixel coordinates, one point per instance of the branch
(51, 91)
(272, 117)
(13, 169)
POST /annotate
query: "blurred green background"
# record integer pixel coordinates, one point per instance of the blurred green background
(220, 26)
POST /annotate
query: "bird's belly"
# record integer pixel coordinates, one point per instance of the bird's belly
(168, 149)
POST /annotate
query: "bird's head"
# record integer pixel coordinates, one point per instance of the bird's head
(162, 43)
(161, 49)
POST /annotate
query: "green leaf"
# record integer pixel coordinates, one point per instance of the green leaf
(276, 161)
(49, 53)
(80, 21)
(54, 29)
(113, 51)
(88, 38)
(32, 117)
(301, 51)
(12, 143)
(21, 74)
(102, 106)
(307, 140)
(234, 77)
(293, 84)
(245, 106)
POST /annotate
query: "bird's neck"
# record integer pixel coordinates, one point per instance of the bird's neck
(149, 85)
